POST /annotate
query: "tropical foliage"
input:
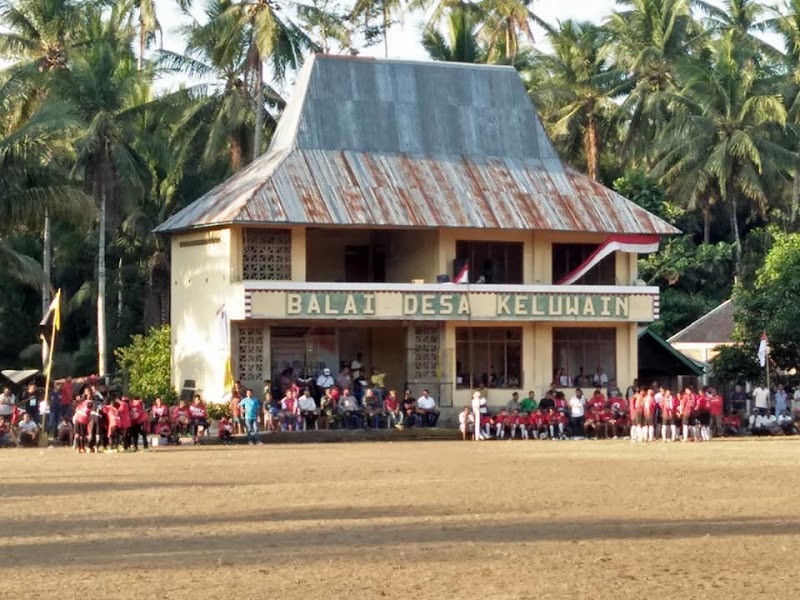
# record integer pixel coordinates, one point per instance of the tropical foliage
(681, 105)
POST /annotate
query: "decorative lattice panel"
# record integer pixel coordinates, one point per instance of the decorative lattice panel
(251, 353)
(426, 352)
(267, 254)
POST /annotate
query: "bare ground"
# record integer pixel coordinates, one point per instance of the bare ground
(405, 520)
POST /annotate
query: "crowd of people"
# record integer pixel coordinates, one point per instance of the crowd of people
(643, 414)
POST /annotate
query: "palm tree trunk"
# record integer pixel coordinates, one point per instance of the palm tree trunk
(737, 242)
(142, 44)
(235, 153)
(101, 285)
(46, 262)
(119, 294)
(591, 148)
(795, 194)
(385, 29)
(706, 225)
(259, 109)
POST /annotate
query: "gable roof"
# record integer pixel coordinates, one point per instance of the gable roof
(682, 361)
(714, 327)
(413, 144)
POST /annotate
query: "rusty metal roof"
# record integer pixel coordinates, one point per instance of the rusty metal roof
(413, 144)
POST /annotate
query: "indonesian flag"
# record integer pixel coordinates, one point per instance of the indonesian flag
(463, 274)
(762, 350)
(633, 244)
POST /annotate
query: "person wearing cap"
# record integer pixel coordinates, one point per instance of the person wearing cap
(325, 380)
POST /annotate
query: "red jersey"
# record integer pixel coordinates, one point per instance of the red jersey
(164, 429)
(181, 414)
(667, 406)
(112, 414)
(520, 420)
(596, 413)
(686, 404)
(225, 426)
(124, 415)
(637, 404)
(66, 394)
(392, 403)
(648, 404)
(606, 415)
(159, 411)
(82, 413)
(619, 405)
(289, 404)
(597, 402)
(715, 405)
(701, 402)
(560, 403)
(501, 419)
(558, 417)
(198, 411)
(546, 418)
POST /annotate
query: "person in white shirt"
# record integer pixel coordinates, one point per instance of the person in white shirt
(476, 415)
(325, 380)
(577, 410)
(28, 431)
(308, 410)
(600, 378)
(796, 402)
(464, 422)
(7, 402)
(426, 409)
(761, 399)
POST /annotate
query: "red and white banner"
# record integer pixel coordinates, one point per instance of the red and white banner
(463, 274)
(633, 244)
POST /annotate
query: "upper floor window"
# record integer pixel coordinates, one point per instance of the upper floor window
(491, 262)
(568, 257)
(266, 254)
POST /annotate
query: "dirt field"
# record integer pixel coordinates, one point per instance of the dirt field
(404, 520)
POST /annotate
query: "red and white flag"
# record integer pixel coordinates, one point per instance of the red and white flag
(463, 274)
(762, 350)
(638, 244)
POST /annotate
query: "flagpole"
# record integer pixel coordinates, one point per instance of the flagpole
(43, 434)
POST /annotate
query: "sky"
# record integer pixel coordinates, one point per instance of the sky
(403, 38)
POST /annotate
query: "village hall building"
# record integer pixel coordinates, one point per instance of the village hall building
(417, 214)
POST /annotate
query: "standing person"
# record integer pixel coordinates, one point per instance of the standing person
(685, 410)
(80, 421)
(67, 398)
(636, 407)
(236, 412)
(761, 399)
(124, 410)
(668, 428)
(111, 411)
(30, 401)
(649, 410)
(139, 423)
(8, 403)
(377, 381)
(715, 406)
(250, 407)
(476, 414)
(780, 400)
(577, 412)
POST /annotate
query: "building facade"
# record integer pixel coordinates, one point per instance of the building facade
(384, 181)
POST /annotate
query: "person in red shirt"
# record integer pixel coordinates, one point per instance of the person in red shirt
(157, 411)
(111, 411)
(181, 419)
(668, 425)
(732, 424)
(597, 401)
(124, 421)
(290, 413)
(67, 398)
(236, 412)
(715, 407)
(637, 416)
(80, 422)
(139, 422)
(519, 422)
(606, 422)
(391, 404)
(594, 423)
(558, 423)
(648, 414)
(163, 429)
(685, 411)
(199, 416)
(225, 432)
(703, 415)
(500, 421)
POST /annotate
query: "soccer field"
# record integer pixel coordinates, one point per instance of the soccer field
(405, 520)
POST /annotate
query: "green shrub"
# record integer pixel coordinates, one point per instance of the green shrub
(217, 411)
(146, 363)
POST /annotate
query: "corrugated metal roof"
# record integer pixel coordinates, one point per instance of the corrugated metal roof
(409, 144)
(714, 327)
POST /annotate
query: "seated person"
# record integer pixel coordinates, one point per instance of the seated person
(518, 422)
(199, 416)
(764, 424)
(536, 425)
(501, 422)
(409, 409)
(377, 382)
(181, 418)
(349, 411)
(391, 406)
(426, 409)
(64, 432)
(529, 404)
(308, 410)
(272, 413)
(785, 421)
(6, 439)
(158, 410)
(166, 436)
(558, 424)
(225, 432)
(373, 413)
(731, 424)
(28, 431)
(327, 410)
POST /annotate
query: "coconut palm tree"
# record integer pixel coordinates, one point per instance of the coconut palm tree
(507, 23)
(648, 38)
(384, 10)
(459, 42)
(329, 21)
(582, 88)
(725, 139)
(272, 37)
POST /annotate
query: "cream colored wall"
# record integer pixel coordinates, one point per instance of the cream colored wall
(537, 358)
(324, 252)
(201, 284)
(412, 255)
(388, 355)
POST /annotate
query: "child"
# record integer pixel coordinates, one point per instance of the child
(64, 432)
(500, 422)
(464, 418)
(558, 423)
(80, 421)
(520, 424)
(164, 431)
(181, 419)
(111, 411)
(199, 417)
(290, 411)
(391, 405)
(225, 431)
